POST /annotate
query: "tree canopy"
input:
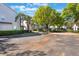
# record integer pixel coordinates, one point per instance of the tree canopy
(71, 12)
(46, 15)
(20, 16)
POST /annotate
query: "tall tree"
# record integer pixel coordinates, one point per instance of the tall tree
(58, 21)
(69, 13)
(45, 15)
(77, 13)
(42, 16)
(20, 16)
(28, 19)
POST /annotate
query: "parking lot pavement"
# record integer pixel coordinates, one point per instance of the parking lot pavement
(52, 44)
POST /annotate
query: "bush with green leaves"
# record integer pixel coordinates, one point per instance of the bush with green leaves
(12, 32)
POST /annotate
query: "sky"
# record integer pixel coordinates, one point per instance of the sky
(30, 8)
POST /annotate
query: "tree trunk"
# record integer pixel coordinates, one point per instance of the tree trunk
(20, 23)
(47, 28)
(28, 26)
(37, 28)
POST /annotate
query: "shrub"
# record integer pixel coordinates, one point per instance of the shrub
(35, 30)
(12, 32)
(70, 30)
(58, 30)
(76, 31)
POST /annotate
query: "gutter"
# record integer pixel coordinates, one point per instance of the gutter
(5, 23)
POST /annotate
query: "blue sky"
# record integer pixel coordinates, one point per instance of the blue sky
(30, 8)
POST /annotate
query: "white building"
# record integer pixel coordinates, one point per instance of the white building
(75, 27)
(7, 18)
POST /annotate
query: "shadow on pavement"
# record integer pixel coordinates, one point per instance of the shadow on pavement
(5, 47)
(32, 53)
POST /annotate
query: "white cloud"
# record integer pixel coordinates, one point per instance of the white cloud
(31, 9)
(40, 4)
(27, 9)
(59, 10)
(23, 8)
(20, 6)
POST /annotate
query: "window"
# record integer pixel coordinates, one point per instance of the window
(2, 18)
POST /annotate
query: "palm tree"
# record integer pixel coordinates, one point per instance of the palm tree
(20, 16)
(28, 19)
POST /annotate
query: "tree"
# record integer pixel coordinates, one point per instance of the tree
(45, 15)
(58, 21)
(20, 16)
(28, 19)
(69, 13)
(77, 13)
(72, 12)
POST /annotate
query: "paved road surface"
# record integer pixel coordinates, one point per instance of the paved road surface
(53, 44)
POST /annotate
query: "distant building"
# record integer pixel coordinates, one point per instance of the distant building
(75, 27)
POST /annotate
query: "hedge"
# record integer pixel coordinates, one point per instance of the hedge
(12, 32)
